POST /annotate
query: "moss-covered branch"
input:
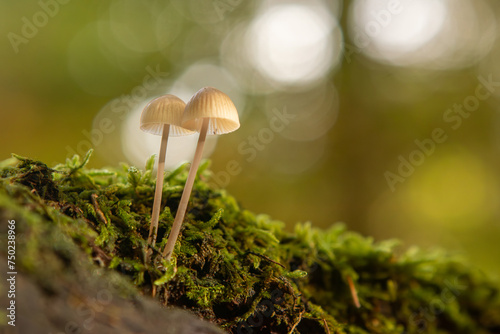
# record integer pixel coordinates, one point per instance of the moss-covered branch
(239, 270)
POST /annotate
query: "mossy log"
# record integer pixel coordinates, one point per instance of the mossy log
(83, 264)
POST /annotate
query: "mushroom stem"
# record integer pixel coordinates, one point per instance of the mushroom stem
(153, 229)
(181, 211)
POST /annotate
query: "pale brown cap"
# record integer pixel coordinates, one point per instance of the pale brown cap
(166, 109)
(211, 103)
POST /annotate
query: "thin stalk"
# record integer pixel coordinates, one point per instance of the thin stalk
(354, 292)
(181, 211)
(153, 229)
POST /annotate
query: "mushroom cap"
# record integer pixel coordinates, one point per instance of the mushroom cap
(166, 109)
(211, 103)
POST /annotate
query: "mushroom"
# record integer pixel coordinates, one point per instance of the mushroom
(208, 111)
(162, 116)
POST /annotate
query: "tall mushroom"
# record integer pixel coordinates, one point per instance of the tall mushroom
(163, 117)
(208, 111)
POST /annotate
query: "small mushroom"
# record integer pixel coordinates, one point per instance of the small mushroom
(163, 117)
(208, 111)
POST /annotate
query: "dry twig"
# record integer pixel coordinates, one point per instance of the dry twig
(98, 210)
(354, 292)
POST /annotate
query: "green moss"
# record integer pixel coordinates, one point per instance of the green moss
(240, 270)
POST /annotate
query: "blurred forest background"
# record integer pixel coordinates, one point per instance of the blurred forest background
(383, 114)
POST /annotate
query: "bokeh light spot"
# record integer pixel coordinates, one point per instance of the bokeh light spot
(439, 34)
(310, 114)
(133, 23)
(399, 28)
(294, 43)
